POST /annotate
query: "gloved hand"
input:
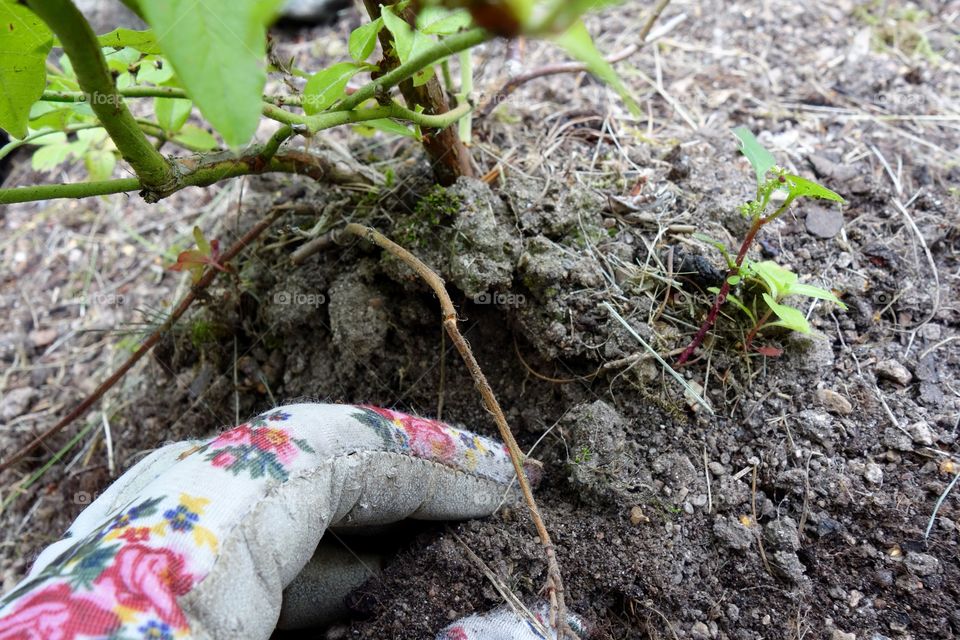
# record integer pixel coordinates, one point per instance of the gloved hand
(200, 538)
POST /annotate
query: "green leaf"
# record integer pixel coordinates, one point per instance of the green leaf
(568, 11)
(55, 150)
(196, 138)
(100, 164)
(120, 60)
(386, 125)
(52, 115)
(217, 50)
(364, 39)
(154, 70)
(87, 138)
(790, 317)
(420, 43)
(142, 41)
(401, 32)
(777, 280)
(326, 87)
(760, 159)
(577, 42)
(25, 42)
(811, 291)
(202, 244)
(803, 187)
(439, 21)
(781, 283)
(171, 113)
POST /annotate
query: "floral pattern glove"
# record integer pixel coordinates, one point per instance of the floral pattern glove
(504, 623)
(199, 539)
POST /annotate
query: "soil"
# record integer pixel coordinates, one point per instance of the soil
(796, 509)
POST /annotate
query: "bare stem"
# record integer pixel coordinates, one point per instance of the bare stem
(756, 329)
(446, 47)
(517, 457)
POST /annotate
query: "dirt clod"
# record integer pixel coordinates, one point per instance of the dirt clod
(834, 402)
(895, 371)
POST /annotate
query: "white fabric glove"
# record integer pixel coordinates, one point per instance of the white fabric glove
(200, 538)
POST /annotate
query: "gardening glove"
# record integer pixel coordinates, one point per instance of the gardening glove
(199, 539)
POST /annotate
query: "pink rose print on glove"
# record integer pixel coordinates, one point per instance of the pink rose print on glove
(56, 614)
(275, 440)
(237, 436)
(428, 438)
(146, 579)
(223, 459)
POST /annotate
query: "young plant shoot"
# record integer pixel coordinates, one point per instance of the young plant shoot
(776, 282)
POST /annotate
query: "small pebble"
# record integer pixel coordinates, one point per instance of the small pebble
(637, 516)
(895, 371)
(922, 564)
(873, 473)
(733, 612)
(42, 337)
(834, 402)
(854, 599)
(842, 635)
(717, 469)
(700, 630)
(16, 402)
(824, 222)
(921, 433)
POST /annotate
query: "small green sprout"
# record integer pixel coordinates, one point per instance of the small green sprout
(583, 455)
(776, 282)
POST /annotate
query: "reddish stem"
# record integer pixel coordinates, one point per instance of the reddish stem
(724, 291)
(756, 328)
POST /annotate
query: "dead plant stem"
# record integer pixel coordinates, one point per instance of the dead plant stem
(558, 613)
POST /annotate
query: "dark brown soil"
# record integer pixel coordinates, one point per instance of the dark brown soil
(797, 510)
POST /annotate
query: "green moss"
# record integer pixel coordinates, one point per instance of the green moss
(204, 332)
(433, 209)
(437, 205)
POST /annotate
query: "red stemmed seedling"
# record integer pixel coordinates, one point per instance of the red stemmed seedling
(776, 281)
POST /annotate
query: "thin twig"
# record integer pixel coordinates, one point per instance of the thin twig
(756, 523)
(663, 363)
(508, 596)
(936, 508)
(933, 269)
(558, 610)
(208, 277)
